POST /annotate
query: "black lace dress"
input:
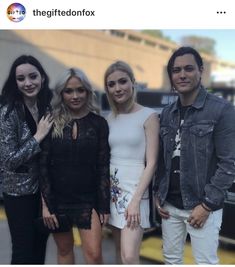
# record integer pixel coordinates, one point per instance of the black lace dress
(74, 170)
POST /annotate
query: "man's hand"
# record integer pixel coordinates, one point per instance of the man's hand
(162, 212)
(198, 216)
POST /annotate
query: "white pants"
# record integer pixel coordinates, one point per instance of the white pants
(204, 241)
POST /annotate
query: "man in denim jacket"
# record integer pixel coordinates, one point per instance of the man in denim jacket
(196, 162)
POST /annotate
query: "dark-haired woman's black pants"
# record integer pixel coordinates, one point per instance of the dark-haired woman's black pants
(28, 245)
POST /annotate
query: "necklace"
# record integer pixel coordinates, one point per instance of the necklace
(34, 111)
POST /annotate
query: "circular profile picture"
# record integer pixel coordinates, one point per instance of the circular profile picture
(16, 12)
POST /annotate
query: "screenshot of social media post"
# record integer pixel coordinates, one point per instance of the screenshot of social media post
(117, 132)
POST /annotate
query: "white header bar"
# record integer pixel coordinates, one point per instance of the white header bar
(121, 14)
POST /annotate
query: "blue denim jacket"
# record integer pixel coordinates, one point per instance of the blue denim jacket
(207, 161)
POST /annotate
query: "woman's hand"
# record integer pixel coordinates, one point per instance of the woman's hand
(132, 214)
(104, 218)
(49, 219)
(43, 127)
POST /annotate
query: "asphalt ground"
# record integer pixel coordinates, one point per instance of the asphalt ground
(151, 248)
(108, 247)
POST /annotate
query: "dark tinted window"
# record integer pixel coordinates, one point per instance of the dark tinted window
(155, 99)
(104, 102)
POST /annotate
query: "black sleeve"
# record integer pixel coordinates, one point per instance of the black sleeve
(103, 159)
(44, 177)
(160, 167)
(160, 171)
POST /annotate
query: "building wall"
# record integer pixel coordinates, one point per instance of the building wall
(93, 51)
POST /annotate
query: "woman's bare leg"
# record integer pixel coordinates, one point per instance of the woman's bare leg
(116, 233)
(130, 244)
(92, 241)
(65, 244)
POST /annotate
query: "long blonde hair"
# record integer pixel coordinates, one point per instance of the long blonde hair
(124, 67)
(61, 113)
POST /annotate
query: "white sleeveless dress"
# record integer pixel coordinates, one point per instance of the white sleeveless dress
(127, 141)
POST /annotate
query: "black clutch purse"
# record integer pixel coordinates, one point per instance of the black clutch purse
(64, 225)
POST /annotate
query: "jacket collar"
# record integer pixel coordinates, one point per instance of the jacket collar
(199, 101)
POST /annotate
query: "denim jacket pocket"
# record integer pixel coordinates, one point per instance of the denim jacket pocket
(201, 137)
(202, 148)
(201, 130)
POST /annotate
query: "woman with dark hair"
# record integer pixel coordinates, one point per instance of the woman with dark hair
(25, 121)
(74, 166)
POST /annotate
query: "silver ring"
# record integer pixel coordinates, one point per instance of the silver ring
(158, 207)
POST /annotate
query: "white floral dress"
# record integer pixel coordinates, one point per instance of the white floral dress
(127, 141)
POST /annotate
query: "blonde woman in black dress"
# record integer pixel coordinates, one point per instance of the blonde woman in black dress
(75, 168)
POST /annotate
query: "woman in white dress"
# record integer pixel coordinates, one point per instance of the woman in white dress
(133, 140)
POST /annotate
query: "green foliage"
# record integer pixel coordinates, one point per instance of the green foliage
(156, 33)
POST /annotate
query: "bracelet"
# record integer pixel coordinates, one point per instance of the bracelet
(205, 208)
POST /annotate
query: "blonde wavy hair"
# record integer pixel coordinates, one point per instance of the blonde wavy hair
(61, 113)
(124, 67)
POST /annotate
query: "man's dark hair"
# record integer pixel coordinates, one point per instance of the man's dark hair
(180, 52)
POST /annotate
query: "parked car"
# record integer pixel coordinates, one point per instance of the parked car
(1, 196)
(227, 233)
